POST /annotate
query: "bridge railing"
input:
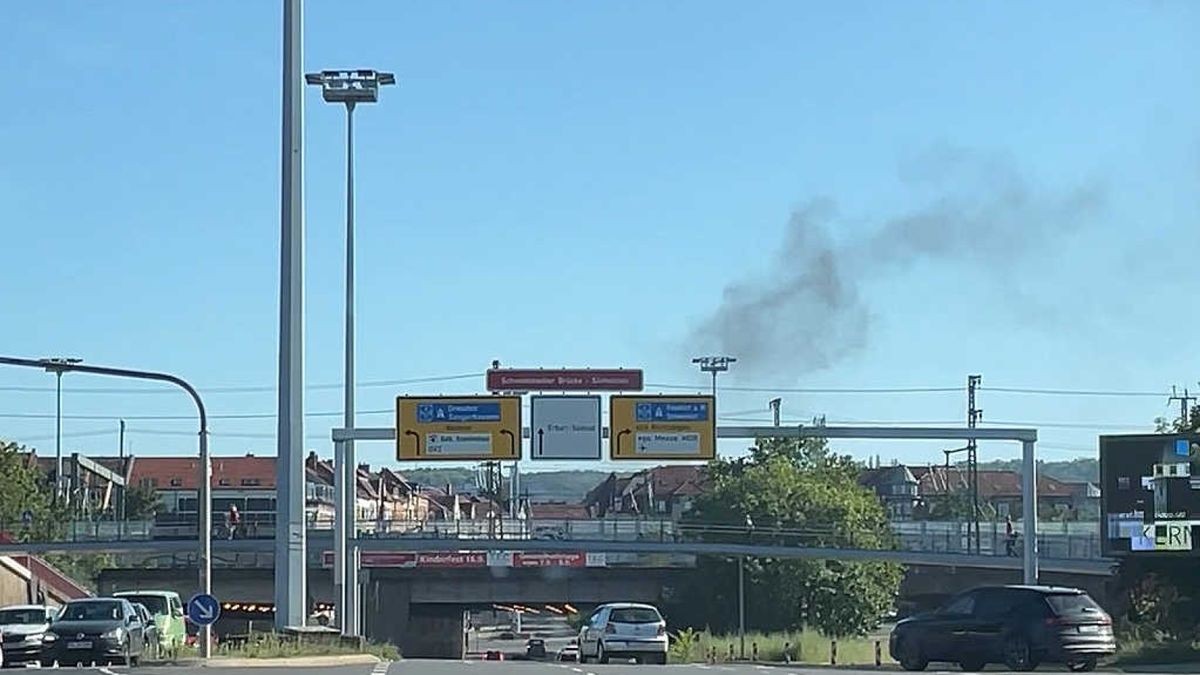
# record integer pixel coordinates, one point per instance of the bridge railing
(1077, 540)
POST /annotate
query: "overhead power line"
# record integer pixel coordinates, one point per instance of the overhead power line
(1074, 392)
(249, 389)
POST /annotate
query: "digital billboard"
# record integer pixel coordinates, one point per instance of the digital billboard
(1150, 494)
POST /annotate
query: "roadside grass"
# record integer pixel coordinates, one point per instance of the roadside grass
(806, 647)
(1138, 653)
(272, 646)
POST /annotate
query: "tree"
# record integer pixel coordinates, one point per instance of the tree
(800, 493)
(24, 491)
(141, 503)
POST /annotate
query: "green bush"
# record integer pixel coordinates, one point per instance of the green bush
(804, 647)
(1138, 653)
(273, 646)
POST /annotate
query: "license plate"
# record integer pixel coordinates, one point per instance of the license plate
(79, 644)
(1089, 629)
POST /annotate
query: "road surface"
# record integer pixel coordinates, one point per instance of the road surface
(517, 668)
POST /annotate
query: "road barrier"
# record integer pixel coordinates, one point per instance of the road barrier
(833, 652)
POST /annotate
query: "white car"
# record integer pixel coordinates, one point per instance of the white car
(569, 653)
(22, 628)
(624, 630)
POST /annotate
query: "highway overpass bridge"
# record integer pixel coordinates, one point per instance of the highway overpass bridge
(754, 546)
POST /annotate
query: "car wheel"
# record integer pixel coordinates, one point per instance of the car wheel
(911, 657)
(601, 657)
(1018, 655)
(972, 665)
(1084, 666)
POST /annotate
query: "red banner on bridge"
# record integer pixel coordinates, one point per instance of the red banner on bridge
(572, 379)
(527, 559)
(438, 559)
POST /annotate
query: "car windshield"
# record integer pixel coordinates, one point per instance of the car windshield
(9, 617)
(1072, 603)
(635, 615)
(157, 604)
(91, 611)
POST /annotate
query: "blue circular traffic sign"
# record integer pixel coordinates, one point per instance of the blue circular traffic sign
(203, 609)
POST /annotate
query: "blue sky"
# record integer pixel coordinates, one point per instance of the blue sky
(1006, 188)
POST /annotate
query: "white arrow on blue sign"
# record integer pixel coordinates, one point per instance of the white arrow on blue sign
(203, 609)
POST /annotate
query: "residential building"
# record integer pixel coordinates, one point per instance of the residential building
(1000, 492)
(896, 487)
(663, 491)
(246, 482)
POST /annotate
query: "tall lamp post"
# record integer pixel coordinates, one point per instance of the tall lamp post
(58, 365)
(717, 365)
(348, 87)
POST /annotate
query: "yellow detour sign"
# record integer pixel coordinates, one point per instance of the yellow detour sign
(458, 428)
(662, 427)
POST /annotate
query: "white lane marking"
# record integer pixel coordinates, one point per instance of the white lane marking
(381, 668)
(107, 671)
(577, 670)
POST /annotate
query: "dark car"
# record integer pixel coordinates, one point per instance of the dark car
(95, 630)
(1019, 626)
(535, 648)
(150, 636)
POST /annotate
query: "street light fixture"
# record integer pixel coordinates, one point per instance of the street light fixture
(349, 88)
(714, 365)
(58, 365)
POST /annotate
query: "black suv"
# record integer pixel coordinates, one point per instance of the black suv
(1019, 626)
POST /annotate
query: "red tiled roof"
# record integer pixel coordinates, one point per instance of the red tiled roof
(185, 470)
(992, 484)
(677, 480)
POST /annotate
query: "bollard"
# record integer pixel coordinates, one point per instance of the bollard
(754, 651)
(787, 652)
(833, 652)
(878, 654)
(731, 652)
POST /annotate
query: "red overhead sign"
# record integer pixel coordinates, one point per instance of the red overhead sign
(576, 379)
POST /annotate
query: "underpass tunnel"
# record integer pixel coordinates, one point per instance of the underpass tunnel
(450, 613)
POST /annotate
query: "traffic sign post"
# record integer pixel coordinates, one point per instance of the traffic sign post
(662, 427)
(458, 428)
(565, 427)
(203, 609)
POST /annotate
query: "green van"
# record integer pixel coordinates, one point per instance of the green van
(167, 609)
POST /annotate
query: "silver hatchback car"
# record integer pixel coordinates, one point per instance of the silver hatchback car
(624, 630)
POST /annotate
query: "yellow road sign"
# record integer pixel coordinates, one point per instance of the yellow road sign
(458, 428)
(662, 427)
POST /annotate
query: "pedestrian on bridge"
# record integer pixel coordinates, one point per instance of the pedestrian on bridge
(1010, 537)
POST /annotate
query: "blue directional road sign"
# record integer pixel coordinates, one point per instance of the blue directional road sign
(673, 411)
(203, 609)
(458, 412)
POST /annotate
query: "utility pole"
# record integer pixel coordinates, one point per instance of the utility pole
(1185, 399)
(124, 472)
(775, 404)
(974, 414)
(714, 365)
